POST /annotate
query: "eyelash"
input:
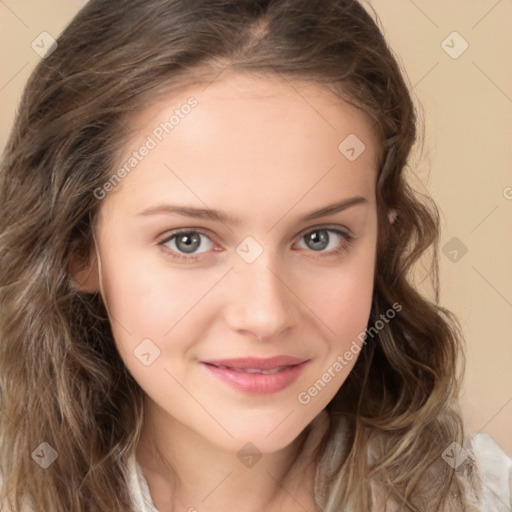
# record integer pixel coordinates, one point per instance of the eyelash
(341, 249)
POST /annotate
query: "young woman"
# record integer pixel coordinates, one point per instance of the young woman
(207, 240)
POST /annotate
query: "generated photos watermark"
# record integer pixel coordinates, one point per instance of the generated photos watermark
(343, 360)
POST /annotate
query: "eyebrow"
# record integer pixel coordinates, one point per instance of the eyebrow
(220, 216)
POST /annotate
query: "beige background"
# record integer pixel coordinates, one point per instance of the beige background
(466, 164)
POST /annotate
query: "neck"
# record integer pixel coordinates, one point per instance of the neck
(186, 472)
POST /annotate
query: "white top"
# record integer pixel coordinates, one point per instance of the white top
(494, 465)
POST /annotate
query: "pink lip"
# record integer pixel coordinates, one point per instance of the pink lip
(256, 362)
(231, 372)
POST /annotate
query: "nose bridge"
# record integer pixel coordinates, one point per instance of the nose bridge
(259, 296)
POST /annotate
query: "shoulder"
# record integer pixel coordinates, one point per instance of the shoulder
(494, 469)
(485, 477)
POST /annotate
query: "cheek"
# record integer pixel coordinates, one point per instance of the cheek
(146, 303)
(343, 299)
(146, 296)
(155, 309)
(343, 303)
(148, 310)
(351, 302)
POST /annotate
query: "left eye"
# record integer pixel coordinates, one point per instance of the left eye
(319, 239)
(185, 244)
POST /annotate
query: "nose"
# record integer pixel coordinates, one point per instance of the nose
(260, 299)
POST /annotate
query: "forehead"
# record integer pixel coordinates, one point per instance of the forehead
(258, 100)
(249, 135)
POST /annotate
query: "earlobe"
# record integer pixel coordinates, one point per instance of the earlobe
(84, 273)
(392, 216)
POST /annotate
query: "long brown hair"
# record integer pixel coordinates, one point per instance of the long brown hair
(62, 380)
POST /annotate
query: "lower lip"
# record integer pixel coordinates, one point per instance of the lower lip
(258, 383)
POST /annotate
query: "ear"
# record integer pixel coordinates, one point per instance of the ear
(84, 272)
(392, 216)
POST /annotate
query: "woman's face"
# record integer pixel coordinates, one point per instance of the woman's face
(254, 274)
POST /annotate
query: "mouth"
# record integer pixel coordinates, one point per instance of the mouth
(257, 376)
(256, 363)
(252, 370)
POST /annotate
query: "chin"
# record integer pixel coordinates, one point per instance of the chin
(259, 438)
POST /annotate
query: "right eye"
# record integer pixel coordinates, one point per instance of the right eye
(183, 243)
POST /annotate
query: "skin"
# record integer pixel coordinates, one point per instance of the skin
(264, 149)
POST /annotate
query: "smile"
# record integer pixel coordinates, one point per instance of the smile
(248, 379)
(254, 370)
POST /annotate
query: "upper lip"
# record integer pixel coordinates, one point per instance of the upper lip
(257, 363)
